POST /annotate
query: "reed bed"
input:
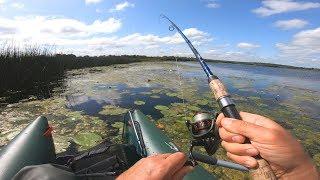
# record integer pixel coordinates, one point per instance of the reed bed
(36, 70)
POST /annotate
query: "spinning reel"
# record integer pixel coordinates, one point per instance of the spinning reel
(204, 132)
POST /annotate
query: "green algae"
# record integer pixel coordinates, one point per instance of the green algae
(139, 103)
(87, 139)
(113, 110)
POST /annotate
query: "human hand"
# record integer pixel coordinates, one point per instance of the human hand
(269, 140)
(158, 167)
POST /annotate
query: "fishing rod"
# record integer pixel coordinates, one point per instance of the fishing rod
(201, 129)
(220, 92)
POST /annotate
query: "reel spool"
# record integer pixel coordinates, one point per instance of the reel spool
(204, 132)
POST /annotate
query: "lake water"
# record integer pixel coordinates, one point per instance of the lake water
(273, 85)
(169, 93)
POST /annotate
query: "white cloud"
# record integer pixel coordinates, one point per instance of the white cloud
(150, 40)
(224, 54)
(212, 4)
(93, 1)
(5, 5)
(74, 36)
(304, 47)
(43, 29)
(245, 45)
(291, 24)
(17, 5)
(271, 7)
(121, 6)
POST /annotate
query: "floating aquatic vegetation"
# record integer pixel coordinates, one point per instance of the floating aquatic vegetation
(317, 159)
(12, 135)
(155, 96)
(240, 82)
(119, 127)
(146, 93)
(161, 107)
(113, 110)
(139, 103)
(87, 139)
(202, 102)
(156, 91)
(297, 109)
(171, 94)
(66, 123)
(173, 123)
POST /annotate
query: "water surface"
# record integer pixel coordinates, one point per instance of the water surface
(95, 99)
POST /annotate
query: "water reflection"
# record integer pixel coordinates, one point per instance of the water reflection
(120, 95)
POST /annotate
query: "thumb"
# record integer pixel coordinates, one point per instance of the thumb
(182, 172)
(243, 128)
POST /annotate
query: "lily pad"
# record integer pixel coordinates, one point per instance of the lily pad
(146, 93)
(155, 96)
(171, 94)
(139, 103)
(161, 107)
(118, 125)
(193, 108)
(118, 137)
(113, 110)
(202, 102)
(87, 139)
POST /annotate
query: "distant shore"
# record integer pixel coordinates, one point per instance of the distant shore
(37, 70)
(262, 64)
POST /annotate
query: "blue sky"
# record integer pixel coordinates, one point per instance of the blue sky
(276, 31)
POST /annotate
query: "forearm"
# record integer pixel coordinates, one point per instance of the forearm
(306, 171)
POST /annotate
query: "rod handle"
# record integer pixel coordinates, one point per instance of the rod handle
(263, 170)
(231, 112)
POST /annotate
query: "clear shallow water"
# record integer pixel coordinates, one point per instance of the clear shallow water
(127, 98)
(273, 85)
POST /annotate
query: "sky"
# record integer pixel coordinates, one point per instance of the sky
(272, 31)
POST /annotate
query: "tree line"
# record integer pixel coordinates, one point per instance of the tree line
(38, 70)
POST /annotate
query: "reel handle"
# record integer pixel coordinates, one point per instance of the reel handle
(228, 108)
(214, 161)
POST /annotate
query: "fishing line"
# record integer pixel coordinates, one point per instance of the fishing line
(179, 73)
